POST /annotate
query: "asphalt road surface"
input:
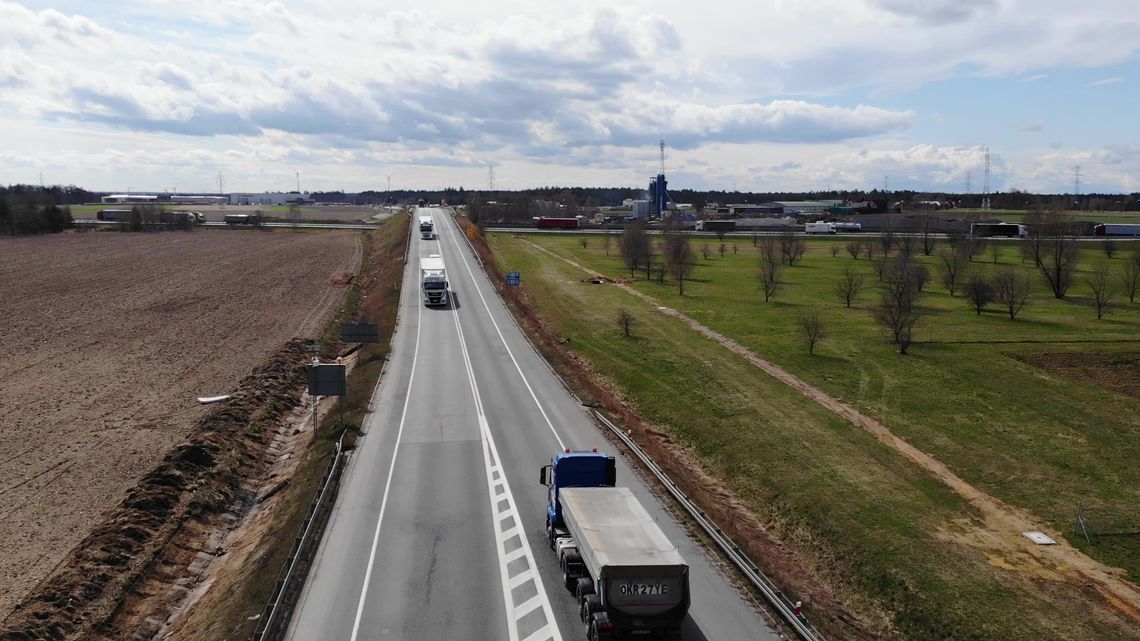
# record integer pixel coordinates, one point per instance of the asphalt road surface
(438, 529)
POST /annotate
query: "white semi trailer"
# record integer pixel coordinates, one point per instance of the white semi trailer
(427, 228)
(433, 280)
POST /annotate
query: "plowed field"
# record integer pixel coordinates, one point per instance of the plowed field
(107, 340)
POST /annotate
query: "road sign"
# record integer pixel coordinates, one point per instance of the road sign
(514, 278)
(361, 332)
(327, 379)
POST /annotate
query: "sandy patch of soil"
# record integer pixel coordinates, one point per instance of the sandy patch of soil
(109, 338)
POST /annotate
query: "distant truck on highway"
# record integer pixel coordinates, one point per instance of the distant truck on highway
(113, 214)
(819, 228)
(427, 228)
(629, 580)
(433, 280)
(998, 230)
(1116, 230)
(715, 225)
(242, 219)
(557, 223)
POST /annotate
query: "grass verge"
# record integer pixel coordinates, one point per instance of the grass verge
(901, 551)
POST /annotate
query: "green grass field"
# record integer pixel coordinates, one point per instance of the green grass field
(1030, 437)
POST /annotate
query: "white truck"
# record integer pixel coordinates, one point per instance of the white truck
(427, 228)
(433, 280)
(819, 228)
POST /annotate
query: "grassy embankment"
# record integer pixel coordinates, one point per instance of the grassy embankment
(886, 529)
(375, 294)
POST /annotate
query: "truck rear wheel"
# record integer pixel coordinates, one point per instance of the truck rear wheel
(571, 564)
(584, 587)
(588, 606)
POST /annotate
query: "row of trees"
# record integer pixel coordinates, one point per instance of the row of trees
(675, 258)
(24, 213)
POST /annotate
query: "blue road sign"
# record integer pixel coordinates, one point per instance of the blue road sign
(514, 278)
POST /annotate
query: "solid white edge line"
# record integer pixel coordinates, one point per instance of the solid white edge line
(388, 483)
(518, 368)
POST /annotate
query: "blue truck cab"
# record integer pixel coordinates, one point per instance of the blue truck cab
(574, 469)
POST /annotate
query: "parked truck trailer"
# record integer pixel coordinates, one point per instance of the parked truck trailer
(433, 280)
(629, 579)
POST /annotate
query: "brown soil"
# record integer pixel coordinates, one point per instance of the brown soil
(195, 480)
(1116, 372)
(108, 340)
(1000, 537)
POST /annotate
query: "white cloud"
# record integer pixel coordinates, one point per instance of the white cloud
(1105, 82)
(585, 89)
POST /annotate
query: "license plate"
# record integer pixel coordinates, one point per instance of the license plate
(643, 589)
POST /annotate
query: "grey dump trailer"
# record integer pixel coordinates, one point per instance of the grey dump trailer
(631, 582)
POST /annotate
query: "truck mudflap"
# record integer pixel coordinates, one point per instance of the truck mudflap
(599, 628)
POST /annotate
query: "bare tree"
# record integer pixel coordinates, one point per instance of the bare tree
(974, 245)
(898, 310)
(953, 268)
(1130, 276)
(879, 265)
(1109, 247)
(811, 324)
(854, 248)
(870, 248)
(295, 214)
(1102, 290)
(606, 241)
(849, 286)
(887, 235)
(625, 321)
(734, 249)
(995, 251)
(722, 249)
(770, 267)
(979, 292)
(706, 251)
(908, 245)
(926, 227)
(1011, 287)
(792, 247)
(921, 276)
(834, 249)
(634, 246)
(584, 242)
(1057, 258)
(679, 259)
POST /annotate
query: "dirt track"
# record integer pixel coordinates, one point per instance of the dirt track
(108, 340)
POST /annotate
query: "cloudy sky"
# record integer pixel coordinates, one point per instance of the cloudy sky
(753, 95)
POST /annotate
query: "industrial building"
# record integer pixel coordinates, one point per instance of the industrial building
(130, 199)
(271, 198)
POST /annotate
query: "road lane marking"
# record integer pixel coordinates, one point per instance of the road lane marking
(479, 291)
(510, 541)
(388, 483)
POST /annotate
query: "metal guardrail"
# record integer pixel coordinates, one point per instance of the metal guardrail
(274, 619)
(775, 597)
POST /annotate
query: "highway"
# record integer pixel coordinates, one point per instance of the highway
(438, 529)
